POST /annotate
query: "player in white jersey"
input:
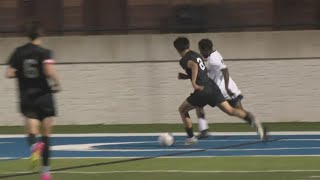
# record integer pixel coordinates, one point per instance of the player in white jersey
(218, 72)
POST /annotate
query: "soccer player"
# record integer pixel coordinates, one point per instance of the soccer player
(33, 66)
(206, 92)
(219, 73)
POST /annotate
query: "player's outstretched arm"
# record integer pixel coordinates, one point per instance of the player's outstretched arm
(11, 72)
(52, 74)
(194, 68)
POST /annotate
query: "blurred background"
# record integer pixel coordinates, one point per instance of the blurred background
(159, 16)
(118, 65)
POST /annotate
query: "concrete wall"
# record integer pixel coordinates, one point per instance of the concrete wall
(277, 90)
(117, 48)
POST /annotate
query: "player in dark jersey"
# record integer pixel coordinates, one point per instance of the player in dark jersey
(33, 66)
(206, 92)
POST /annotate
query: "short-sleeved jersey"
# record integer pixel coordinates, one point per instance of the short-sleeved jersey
(28, 60)
(215, 67)
(202, 78)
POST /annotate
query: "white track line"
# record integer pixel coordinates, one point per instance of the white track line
(20, 172)
(184, 150)
(212, 140)
(265, 149)
(168, 157)
(176, 171)
(314, 177)
(176, 134)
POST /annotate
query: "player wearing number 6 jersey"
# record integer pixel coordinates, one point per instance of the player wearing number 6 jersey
(206, 92)
(33, 65)
(218, 72)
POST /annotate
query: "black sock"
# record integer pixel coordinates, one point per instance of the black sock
(248, 118)
(31, 139)
(46, 151)
(190, 132)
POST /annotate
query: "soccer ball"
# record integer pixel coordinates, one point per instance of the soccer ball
(166, 139)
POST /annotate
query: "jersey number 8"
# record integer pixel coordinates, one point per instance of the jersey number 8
(201, 64)
(30, 69)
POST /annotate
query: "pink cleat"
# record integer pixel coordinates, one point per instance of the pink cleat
(46, 176)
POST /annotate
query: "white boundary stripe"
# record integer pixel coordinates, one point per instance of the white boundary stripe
(20, 172)
(176, 134)
(168, 157)
(184, 171)
(192, 157)
(265, 149)
(181, 150)
(178, 171)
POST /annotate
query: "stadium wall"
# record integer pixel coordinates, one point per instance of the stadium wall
(124, 79)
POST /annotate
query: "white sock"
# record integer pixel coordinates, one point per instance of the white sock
(202, 124)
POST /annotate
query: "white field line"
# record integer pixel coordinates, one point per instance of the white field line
(178, 171)
(176, 134)
(184, 171)
(185, 150)
(212, 140)
(246, 140)
(167, 157)
(265, 149)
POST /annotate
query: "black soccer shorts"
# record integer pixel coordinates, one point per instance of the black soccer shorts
(39, 107)
(235, 101)
(210, 95)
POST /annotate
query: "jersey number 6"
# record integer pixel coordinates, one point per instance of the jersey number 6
(30, 68)
(201, 64)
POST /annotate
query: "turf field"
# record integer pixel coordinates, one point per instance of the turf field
(134, 154)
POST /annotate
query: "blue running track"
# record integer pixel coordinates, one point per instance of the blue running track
(132, 145)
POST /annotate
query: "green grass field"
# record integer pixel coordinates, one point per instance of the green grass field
(217, 168)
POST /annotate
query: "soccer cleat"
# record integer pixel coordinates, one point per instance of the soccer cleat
(36, 151)
(261, 130)
(203, 134)
(191, 141)
(46, 176)
(263, 133)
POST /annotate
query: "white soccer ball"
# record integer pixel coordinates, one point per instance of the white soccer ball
(166, 139)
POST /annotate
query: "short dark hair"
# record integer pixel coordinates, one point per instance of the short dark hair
(181, 44)
(34, 30)
(205, 44)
